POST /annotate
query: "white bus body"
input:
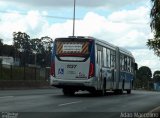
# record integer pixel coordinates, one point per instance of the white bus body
(80, 63)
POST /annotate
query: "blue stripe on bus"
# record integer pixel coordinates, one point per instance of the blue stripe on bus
(126, 76)
(92, 54)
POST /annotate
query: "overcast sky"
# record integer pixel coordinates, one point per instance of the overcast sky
(124, 23)
(69, 3)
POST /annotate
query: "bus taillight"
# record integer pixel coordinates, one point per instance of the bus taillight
(91, 70)
(52, 71)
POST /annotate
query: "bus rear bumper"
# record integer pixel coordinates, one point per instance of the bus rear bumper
(84, 84)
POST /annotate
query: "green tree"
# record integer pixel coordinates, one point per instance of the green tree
(154, 44)
(1, 50)
(21, 41)
(156, 76)
(144, 75)
(155, 18)
(8, 50)
(155, 26)
(37, 50)
(47, 45)
(32, 50)
(22, 46)
(1, 47)
(36, 45)
(1, 42)
(42, 50)
(47, 42)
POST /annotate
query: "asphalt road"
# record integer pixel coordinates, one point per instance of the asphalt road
(50, 103)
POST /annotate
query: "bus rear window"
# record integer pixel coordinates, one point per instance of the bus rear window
(72, 50)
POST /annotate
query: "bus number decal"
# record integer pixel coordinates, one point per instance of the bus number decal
(71, 66)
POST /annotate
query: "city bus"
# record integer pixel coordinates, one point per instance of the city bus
(87, 63)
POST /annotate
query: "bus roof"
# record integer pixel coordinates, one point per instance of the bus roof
(101, 42)
(125, 51)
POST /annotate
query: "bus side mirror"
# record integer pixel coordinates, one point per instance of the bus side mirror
(135, 66)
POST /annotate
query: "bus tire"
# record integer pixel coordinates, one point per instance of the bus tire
(128, 91)
(103, 91)
(104, 87)
(68, 92)
(98, 92)
(118, 91)
(121, 90)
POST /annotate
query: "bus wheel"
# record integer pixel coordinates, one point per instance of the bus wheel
(129, 91)
(118, 91)
(103, 91)
(104, 87)
(121, 90)
(68, 92)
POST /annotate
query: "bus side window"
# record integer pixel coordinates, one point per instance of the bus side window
(99, 58)
(96, 53)
(122, 62)
(121, 59)
(108, 59)
(113, 59)
(125, 63)
(104, 57)
(128, 64)
(112, 65)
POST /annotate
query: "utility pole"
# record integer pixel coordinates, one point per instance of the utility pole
(74, 17)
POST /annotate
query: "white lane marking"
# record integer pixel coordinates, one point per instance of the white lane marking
(6, 97)
(69, 103)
